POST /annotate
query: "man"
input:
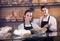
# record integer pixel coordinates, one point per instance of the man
(47, 19)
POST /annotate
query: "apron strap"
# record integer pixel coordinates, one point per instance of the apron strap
(48, 18)
(43, 18)
(41, 21)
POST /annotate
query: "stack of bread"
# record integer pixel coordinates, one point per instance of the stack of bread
(4, 32)
(22, 32)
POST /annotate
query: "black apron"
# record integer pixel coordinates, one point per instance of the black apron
(29, 28)
(43, 23)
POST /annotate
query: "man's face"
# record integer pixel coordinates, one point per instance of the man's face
(44, 11)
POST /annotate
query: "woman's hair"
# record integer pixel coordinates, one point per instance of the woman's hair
(27, 11)
(25, 14)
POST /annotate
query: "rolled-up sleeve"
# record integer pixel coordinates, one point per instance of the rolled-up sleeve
(53, 23)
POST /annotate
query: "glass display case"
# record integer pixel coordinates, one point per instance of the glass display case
(38, 36)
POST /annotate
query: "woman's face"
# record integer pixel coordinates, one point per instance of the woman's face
(28, 16)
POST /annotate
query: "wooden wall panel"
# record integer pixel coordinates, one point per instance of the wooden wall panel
(57, 0)
(37, 13)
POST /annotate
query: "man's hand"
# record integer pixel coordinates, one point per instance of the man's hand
(36, 29)
(27, 34)
(47, 25)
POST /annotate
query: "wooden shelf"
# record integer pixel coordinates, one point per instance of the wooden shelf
(10, 21)
(31, 4)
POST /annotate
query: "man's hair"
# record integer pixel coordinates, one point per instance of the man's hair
(43, 7)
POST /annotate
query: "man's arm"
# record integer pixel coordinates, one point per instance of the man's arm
(53, 24)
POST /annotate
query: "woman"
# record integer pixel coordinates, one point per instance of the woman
(27, 21)
(28, 25)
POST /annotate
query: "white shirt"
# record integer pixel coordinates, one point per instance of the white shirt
(52, 21)
(34, 25)
(21, 31)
